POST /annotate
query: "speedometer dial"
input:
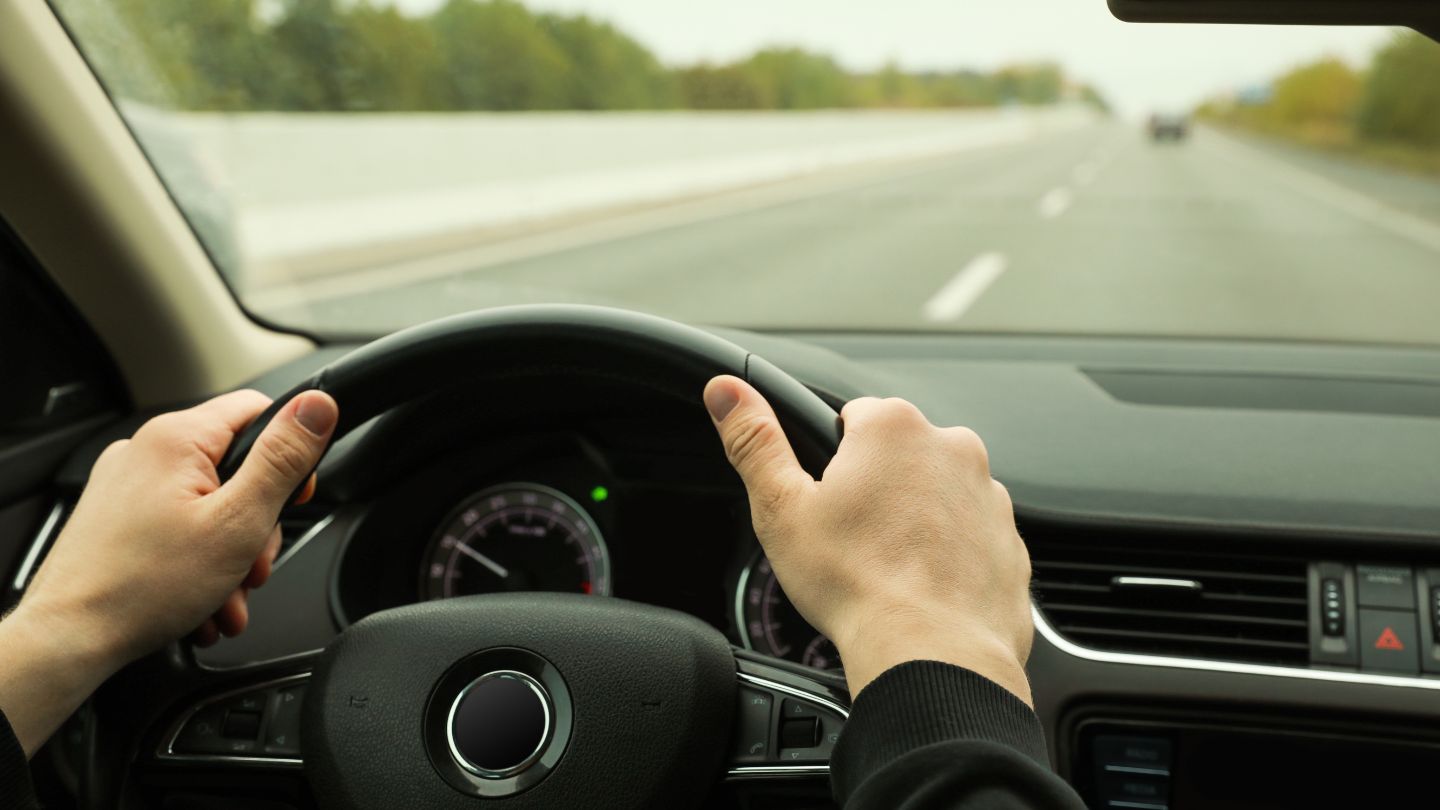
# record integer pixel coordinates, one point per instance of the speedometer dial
(516, 537)
(771, 624)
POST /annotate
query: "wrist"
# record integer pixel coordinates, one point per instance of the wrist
(48, 666)
(880, 645)
(59, 631)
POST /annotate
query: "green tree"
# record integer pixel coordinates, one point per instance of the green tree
(795, 79)
(1321, 95)
(308, 47)
(1029, 84)
(729, 87)
(1400, 101)
(391, 61)
(498, 57)
(610, 71)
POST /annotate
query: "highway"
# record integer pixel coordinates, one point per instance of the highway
(1094, 230)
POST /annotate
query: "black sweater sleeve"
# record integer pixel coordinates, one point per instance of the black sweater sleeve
(16, 790)
(931, 736)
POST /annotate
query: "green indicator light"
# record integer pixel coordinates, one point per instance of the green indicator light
(599, 494)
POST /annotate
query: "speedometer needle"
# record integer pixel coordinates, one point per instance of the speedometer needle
(483, 560)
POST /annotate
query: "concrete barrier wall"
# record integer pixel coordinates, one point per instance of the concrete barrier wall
(294, 185)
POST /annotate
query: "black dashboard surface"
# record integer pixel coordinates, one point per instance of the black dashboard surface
(1313, 450)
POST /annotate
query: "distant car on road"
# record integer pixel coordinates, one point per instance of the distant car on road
(1169, 127)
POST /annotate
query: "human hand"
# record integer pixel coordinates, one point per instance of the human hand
(157, 548)
(906, 549)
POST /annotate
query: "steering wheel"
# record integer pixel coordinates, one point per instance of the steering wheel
(553, 700)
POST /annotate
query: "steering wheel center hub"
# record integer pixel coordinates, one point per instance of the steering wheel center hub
(544, 700)
(499, 724)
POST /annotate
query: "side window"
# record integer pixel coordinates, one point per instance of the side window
(53, 370)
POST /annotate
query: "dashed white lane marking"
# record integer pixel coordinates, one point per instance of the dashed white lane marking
(961, 292)
(1055, 201)
(1085, 173)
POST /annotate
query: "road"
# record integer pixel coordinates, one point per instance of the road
(1094, 231)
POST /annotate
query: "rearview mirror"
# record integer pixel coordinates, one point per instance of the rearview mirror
(1422, 15)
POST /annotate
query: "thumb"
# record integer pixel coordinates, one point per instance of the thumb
(754, 442)
(286, 452)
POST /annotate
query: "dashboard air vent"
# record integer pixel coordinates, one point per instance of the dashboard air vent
(1164, 597)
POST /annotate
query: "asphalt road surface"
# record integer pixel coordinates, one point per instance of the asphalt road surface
(1095, 231)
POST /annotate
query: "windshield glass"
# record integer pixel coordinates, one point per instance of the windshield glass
(1029, 166)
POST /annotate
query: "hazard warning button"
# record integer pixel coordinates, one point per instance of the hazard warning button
(1389, 641)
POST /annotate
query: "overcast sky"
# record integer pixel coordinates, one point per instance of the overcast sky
(1139, 67)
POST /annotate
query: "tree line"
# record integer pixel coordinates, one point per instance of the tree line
(335, 55)
(1391, 108)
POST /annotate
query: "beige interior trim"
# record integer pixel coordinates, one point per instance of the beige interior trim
(82, 196)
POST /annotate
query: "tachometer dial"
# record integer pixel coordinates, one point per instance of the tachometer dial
(516, 537)
(771, 624)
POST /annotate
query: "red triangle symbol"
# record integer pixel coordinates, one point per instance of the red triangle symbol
(1389, 641)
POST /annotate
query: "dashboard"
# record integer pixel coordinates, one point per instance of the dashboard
(563, 520)
(557, 511)
(1233, 470)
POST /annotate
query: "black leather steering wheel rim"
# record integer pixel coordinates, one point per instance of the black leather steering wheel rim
(424, 359)
(662, 679)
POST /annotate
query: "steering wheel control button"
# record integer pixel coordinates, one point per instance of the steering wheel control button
(779, 727)
(808, 732)
(754, 718)
(803, 732)
(282, 735)
(201, 733)
(241, 725)
(499, 724)
(1389, 641)
(1385, 586)
(254, 725)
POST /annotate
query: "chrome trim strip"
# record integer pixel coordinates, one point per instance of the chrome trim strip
(42, 539)
(758, 771)
(166, 751)
(1139, 659)
(1133, 769)
(1155, 582)
(310, 534)
(740, 586)
(773, 771)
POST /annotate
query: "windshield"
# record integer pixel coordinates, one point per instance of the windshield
(1032, 166)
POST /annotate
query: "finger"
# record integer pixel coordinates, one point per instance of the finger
(866, 413)
(224, 416)
(264, 565)
(307, 493)
(232, 616)
(285, 454)
(754, 442)
(206, 634)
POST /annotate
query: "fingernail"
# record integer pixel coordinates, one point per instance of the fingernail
(721, 399)
(315, 414)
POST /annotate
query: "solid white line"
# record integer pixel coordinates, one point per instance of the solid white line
(1319, 188)
(1055, 201)
(962, 291)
